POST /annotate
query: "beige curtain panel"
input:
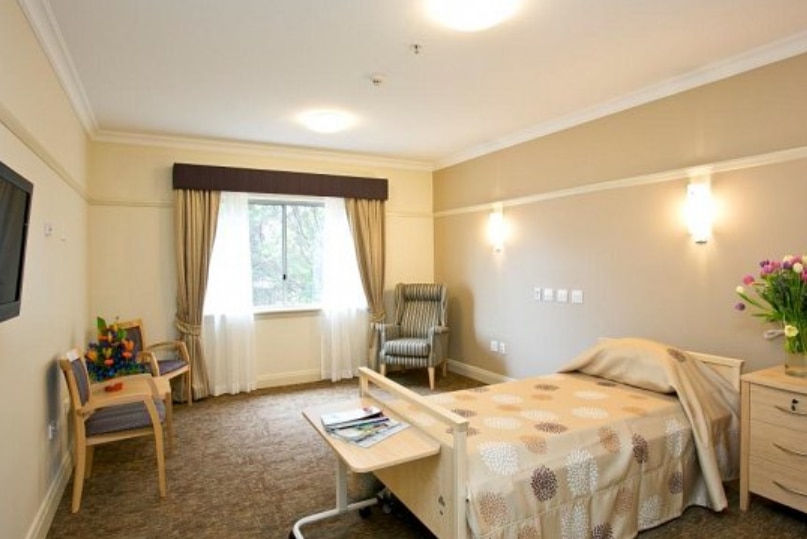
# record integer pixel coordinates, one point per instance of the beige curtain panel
(196, 217)
(366, 218)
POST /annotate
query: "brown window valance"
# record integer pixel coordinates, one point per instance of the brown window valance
(245, 180)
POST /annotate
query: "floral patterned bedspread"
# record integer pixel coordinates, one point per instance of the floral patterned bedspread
(572, 455)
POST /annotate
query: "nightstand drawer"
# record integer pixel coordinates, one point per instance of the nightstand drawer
(779, 407)
(778, 483)
(780, 445)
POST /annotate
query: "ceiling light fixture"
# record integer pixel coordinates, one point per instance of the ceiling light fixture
(471, 15)
(327, 121)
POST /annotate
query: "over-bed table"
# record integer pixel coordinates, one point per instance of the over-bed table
(609, 459)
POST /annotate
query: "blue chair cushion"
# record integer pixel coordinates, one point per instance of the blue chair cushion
(122, 417)
(407, 347)
(170, 365)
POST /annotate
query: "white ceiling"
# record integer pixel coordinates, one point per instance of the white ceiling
(241, 70)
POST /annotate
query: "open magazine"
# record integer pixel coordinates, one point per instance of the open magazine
(362, 426)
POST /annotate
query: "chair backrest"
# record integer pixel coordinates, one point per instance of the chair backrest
(77, 378)
(419, 306)
(134, 332)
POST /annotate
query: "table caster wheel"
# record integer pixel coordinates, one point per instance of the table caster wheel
(364, 512)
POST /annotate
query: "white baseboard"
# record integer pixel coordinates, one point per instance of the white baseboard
(288, 378)
(481, 375)
(44, 517)
(304, 377)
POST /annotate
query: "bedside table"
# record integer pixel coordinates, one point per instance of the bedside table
(773, 438)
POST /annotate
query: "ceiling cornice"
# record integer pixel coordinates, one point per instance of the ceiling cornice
(773, 52)
(42, 21)
(258, 149)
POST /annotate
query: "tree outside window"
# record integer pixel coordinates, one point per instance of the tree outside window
(286, 248)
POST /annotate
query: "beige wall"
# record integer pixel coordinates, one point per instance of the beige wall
(626, 247)
(41, 139)
(131, 240)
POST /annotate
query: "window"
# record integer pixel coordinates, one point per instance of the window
(286, 247)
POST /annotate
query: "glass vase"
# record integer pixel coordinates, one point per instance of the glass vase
(796, 364)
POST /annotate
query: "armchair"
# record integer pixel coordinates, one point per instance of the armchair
(171, 358)
(418, 335)
(100, 417)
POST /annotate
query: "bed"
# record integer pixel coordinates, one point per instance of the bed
(627, 436)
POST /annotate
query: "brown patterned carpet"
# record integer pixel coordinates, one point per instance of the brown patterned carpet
(248, 466)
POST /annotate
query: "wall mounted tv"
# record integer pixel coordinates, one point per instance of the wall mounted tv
(15, 208)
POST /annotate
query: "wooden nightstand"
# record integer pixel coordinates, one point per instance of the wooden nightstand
(773, 455)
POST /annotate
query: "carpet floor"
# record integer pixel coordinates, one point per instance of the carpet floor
(248, 466)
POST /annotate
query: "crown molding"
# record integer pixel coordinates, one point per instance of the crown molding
(770, 158)
(264, 150)
(768, 54)
(43, 23)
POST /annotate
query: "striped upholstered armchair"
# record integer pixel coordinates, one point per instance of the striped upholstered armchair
(418, 336)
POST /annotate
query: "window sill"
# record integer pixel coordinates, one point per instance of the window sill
(286, 311)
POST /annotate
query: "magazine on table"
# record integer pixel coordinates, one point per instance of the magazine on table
(362, 426)
(356, 416)
(389, 429)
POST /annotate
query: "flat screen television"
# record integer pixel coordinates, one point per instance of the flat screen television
(15, 208)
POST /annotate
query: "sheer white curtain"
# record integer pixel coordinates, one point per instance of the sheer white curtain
(228, 325)
(344, 321)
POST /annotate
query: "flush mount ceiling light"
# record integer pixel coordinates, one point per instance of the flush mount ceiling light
(326, 121)
(471, 15)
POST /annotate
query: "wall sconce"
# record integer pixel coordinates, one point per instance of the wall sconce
(497, 228)
(699, 209)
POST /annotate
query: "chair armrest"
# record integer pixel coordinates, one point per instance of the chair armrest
(437, 330)
(180, 347)
(388, 332)
(151, 360)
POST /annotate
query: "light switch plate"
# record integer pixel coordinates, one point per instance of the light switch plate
(548, 294)
(577, 296)
(562, 295)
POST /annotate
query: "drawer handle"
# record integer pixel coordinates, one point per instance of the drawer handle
(791, 490)
(791, 412)
(791, 451)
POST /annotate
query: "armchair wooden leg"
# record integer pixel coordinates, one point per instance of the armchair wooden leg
(158, 442)
(445, 368)
(189, 387)
(431, 378)
(383, 369)
(78, 479)
(88, 452)
(169, 419)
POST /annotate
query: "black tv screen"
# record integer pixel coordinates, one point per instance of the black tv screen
(15, 209)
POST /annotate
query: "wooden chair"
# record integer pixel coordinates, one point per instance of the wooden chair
(101, 417)
(172, 358)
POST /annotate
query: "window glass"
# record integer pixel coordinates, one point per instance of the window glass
(286, 247)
